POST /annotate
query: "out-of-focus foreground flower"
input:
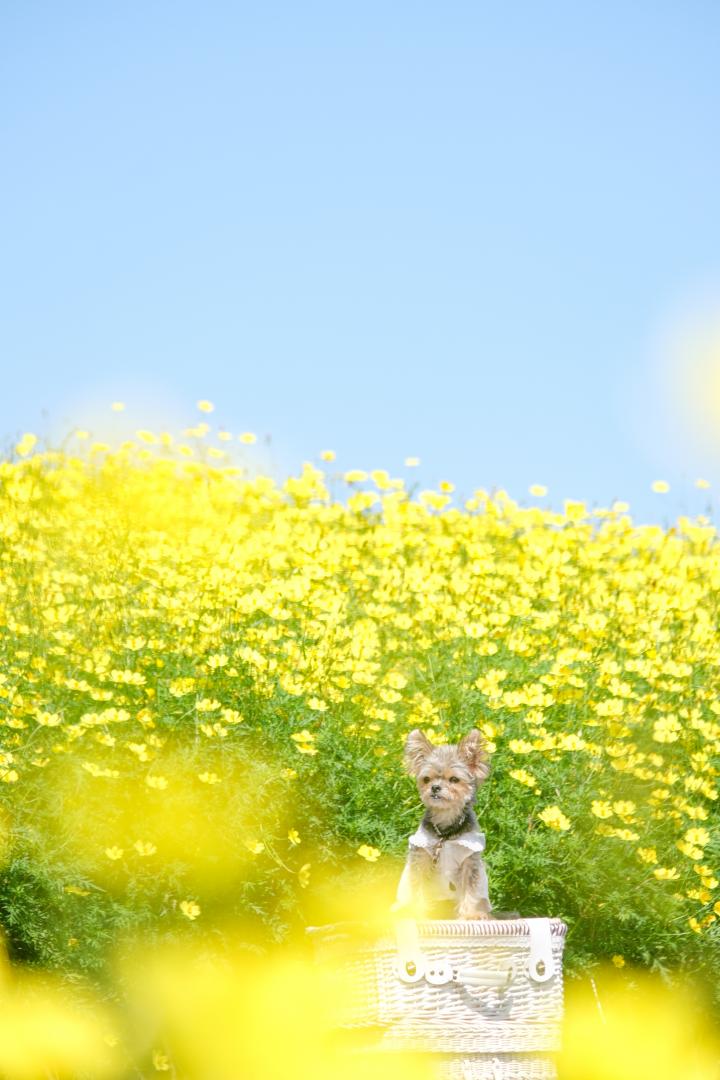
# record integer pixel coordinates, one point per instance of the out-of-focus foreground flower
(635, 1027)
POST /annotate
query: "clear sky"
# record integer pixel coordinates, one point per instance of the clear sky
(464, 231)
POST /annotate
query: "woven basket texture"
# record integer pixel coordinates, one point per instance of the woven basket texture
(506, 1067)
(456, 1017)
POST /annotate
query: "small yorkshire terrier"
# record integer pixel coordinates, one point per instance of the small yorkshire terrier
(445, 858)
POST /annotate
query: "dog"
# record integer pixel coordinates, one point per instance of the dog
(444, 862)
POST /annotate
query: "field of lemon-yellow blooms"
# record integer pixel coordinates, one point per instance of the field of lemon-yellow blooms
(206, 677)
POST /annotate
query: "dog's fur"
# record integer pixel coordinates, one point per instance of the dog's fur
(448, 778)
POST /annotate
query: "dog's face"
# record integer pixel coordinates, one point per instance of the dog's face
(447, 776)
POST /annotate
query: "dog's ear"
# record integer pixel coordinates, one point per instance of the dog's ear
(417, 748)
(472, 751)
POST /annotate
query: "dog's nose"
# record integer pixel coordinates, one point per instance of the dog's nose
(435, 788)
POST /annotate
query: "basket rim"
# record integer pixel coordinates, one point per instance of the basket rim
(444, 928)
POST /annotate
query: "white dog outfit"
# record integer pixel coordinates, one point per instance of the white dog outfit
(448, 854)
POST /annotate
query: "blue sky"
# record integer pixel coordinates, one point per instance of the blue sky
(462, 231)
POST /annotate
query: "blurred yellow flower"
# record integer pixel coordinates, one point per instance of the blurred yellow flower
(26, 444)
(637, 1029)
(538, 490)
(114, 853)
(190, 909)
(327, 455)
(371, 854)
(412, 462)
(647, 854)
(144, 848)
(247, 437)
(157, 782)
(205, 406)
(161, 1062)
(660, 486)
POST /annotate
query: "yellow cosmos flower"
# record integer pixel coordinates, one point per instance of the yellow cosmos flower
(209, 778)
(624, 809)
(700, 837)
(46, 719)
(434, 499)
(520, 746)
(370, 854)
(690, 850)
(144, 848)
(255, 847)
(247, 437)
(327, 455)
(114, 853)
(702, 484)
(205, 406)
(538, 490)
(218, 660)
(26, 444)
(666, 729)
(523, 777)
(553, 817)
(294, 837)
(660, 486)
(618, 961)
(304, 742)
(208, 705)
(663, 873)
(159, 783)
(190, 909)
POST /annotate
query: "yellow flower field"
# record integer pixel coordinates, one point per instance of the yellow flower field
(206, 678)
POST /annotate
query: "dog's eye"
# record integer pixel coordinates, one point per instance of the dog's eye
(454, 779)
(426, 779)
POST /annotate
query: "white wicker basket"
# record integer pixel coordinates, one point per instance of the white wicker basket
(462, 988)
(497, 1067)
